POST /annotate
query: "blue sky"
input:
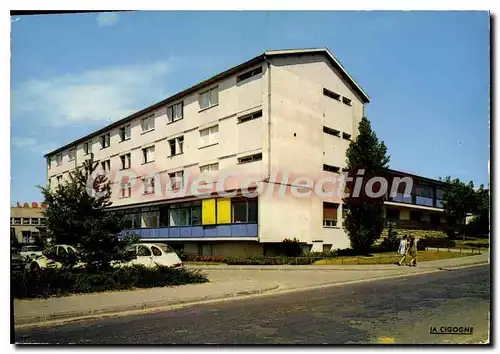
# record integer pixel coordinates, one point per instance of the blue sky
(427, 74)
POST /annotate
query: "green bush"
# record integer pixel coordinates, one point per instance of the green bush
(54, 282)
(391, 241)
(292, 248)
(190, 258)
(265, 260)
(435, 242)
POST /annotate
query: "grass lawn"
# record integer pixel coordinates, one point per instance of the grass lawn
(389, 258)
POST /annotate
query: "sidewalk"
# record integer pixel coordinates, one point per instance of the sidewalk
(224, 284)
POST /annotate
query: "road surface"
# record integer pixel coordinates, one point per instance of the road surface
(397, 311)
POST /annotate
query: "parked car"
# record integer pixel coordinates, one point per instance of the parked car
(30, 251)
(55, 256)
(151, 255)
(17, 261)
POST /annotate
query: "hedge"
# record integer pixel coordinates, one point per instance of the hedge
(191, 258)
(435, 242)
(55, 282)
(265, 260)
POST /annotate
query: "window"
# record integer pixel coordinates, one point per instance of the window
(106, 165)
(125, 190)
(251, 158)
(105, 141)
(49, 162)
(346, 101)
(17, 221)
(329, 168)
(346, 136)
(26, 221)
(249, 74)
(156, 251)
(125, 161)
(175, 112)
(415, 215)
(59, 180)
(35, 221)
(58, 159)
(209, 98)
(208, 136)
(331, 131)
(331, 94)
(149, 185)
(392, 214)
(439, 198)
(244, 210)
(148, 154)
(250, 116)
(209, 168)
(176, 180)
(87, 147)
(143, 251)
(176, 146)
(148, 123)
(149, 218)
(42, 221)
(424, 195)
(125, 132)
(330, 214)
(71, 154)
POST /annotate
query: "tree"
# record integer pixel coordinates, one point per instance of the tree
(364, 222)
(480, 223)
(76, 215)
(459, 200)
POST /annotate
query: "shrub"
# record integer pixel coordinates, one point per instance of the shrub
(292, 248)
(265, 260)
(190, 258)
(391, 241)
(434, 242)
(58, 282)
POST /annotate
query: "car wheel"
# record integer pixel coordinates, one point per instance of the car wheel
(35, 267)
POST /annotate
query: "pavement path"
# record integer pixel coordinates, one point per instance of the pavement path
(225, 282)
(399, 311)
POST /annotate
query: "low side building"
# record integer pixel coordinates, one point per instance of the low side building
(25, 222)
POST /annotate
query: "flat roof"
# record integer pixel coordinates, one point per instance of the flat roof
(258, 59)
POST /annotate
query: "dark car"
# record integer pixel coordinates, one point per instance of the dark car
(17, 261)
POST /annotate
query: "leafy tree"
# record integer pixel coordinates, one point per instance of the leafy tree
(480, 223)
(76, 215)
(364, 222)
(459, 200)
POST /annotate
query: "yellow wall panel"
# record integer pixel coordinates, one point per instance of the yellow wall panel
(223, 211)
(208, 211)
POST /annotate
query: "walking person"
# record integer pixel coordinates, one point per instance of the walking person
(403, 249)
(413, 251)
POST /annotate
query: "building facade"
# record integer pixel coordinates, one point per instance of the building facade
(274, 124)
(26, 221)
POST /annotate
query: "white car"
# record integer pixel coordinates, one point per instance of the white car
(151, 255)
(30, 251)
(54, 257)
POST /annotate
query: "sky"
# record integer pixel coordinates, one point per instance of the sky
(427, 74)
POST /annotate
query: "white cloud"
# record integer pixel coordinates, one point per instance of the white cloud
(107, 19)
(94, 96)
(27, 144)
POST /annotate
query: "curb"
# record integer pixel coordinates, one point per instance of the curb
(129, 310)
(270, 291)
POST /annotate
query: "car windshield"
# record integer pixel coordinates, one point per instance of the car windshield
(165, 248)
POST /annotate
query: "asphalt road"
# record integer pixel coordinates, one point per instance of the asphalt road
(397, 311)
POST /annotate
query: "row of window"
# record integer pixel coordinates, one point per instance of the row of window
(336, 133)
(27, 221)
(415, 215)
(184, 214)
(337, 97)
(208, 98)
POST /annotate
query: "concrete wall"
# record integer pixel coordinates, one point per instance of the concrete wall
(235, 248)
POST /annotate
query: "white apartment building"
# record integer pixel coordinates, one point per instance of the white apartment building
(283, 113)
